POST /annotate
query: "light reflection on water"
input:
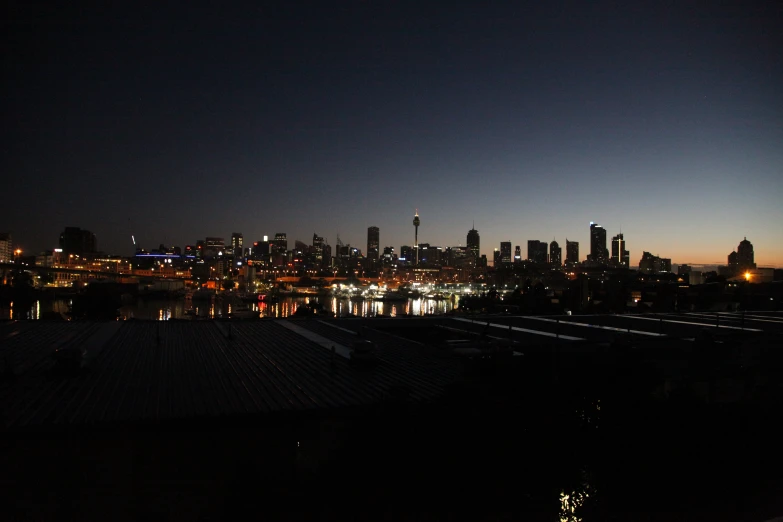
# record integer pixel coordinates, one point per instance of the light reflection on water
(163, 310)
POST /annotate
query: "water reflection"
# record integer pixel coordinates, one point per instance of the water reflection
(219, 307)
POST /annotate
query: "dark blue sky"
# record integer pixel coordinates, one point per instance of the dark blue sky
(661, 118)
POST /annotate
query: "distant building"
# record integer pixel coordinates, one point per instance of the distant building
(318, 249)
(279, 243)
(237, 244)
(517, 254)
(572, 252)
(555, 254)
(496, 259)
(456, 256)
(537, 251)
(407, 255)
(474, 242)
(742, 260)
(214, 247)
(620, 256)
(429, 254)
(505, 252)
(388, 255)
(74, 240)
(6, 248)
(598, 251)
(373, 243)
(654, 264)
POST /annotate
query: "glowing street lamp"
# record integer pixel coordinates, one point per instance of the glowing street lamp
(747, 276)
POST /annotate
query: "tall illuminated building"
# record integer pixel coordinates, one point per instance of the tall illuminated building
(6, 248)
(598, 251)
(236, 244)
(505, 251)
(555, 254)
(572, 252)
(373, 243)
(416, 223)
(318, 249)
(473, 243)
(280, 243)
(620, 255)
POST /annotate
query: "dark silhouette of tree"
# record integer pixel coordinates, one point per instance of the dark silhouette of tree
(229, 284)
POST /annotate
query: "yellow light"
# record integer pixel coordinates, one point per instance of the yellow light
(747, 276)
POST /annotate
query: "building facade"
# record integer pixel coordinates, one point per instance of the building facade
(373, 243)
(572, 252)
(555, 254)
(620, 256)
(74, 240)
(598, 251)
(505, 251)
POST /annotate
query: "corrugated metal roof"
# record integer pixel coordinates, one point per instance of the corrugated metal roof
(140, 371)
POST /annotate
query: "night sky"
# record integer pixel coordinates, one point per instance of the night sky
(663, 119)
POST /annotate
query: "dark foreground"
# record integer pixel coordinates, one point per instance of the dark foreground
(648, 430)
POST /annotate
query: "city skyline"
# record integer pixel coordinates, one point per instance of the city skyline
(659, 122)
(486, 250)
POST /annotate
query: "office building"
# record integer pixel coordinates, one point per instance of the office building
(214, 247)
(318, 249)
(279, 243)
(406, 255)
(6, 248)
(598, 251)
(237, 244)
(652, 264)
(74, 240)
(373, 243)
(536, 251)
(620, 256)
(473, 243)
(572, 252)
(496, 258)
(745, 255)
(505, 252)
(555, 254)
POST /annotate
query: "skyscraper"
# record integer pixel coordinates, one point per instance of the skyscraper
(620, 256)
(280, 243)
(236, 244)
(473, 243)
(517, 254)
(6, 248)
(373, 243)
(555, 254)
(416, 223)
(505, 251)
(536, 251)
(572, 252)
(598, 251)
(745, 255)
(318, 249)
